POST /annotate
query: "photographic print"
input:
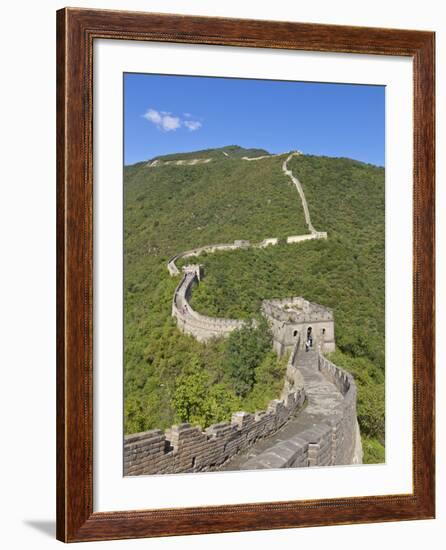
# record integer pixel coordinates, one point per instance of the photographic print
(254, 274)
(245, 275)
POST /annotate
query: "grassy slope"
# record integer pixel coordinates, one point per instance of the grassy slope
(167, 210)
(346, 272)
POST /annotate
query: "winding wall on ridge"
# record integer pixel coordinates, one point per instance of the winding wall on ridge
(334, 434)
(200, 326)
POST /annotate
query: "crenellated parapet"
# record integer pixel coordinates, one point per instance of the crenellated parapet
(295, 317)
(186, 448)
(202, 327)
(330, 436)
(289, 318)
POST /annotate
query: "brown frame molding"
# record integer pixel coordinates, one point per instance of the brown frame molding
(76, 31)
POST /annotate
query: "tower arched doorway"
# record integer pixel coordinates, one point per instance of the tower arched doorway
(309, 340)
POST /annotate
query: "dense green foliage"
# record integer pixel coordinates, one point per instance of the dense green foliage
(167, 210)
(249, 370)
(245, 351)
(198, 401)
(373, 451)
(171, 377)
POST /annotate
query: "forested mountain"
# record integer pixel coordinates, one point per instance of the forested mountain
(170, 208)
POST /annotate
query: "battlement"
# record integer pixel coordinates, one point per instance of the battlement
(296, 310)
(186, 448)
(295, 317)
(202, 327)
(333, 440)
(286, 317)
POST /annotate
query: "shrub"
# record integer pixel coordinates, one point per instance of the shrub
(246, 349)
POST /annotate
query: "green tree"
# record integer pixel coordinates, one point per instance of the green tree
(198, 401)
(190, 394)
(219, 405)
(269, 382)
(245, 351)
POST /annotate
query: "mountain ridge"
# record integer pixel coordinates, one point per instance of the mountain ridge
(233, 151)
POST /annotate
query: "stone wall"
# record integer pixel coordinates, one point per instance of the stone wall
(308, 237)
(202, 327)
(296, 309)
(290, 318)
(345, 424)
(237, 244)
(186, 448)
(185, 162)
(298, 185)
(333, 442)
(172, 267)
(268, 242)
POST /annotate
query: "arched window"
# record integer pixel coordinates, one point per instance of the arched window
(295, 333)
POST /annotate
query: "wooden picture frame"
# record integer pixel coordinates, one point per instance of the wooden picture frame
(76, 31)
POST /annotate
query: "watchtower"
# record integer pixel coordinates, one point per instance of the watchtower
(296, 319)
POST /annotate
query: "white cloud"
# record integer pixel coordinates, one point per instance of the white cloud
(192, 125)
(153, 116)
(166, 121)
(163, 120)
(170, 123)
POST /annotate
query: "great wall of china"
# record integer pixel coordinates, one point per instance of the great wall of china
(287, 434)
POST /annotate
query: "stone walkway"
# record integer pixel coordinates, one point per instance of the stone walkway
(300, 190)
(322, 399)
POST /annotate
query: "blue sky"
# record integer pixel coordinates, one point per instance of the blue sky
(170, 114)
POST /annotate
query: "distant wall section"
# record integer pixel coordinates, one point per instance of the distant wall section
(202, 327)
